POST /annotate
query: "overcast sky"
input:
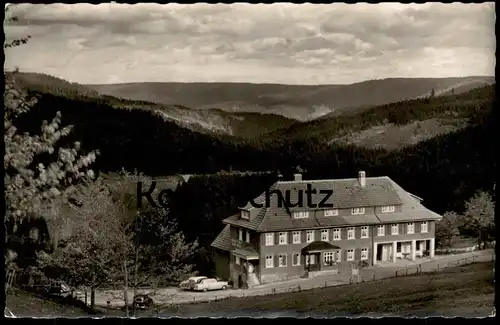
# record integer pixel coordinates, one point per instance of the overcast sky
(278, 43)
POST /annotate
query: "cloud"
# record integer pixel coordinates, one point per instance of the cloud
(285, 43)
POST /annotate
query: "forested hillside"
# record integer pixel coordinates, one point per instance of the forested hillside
(240, 124)
(465, 106)
(444, 170)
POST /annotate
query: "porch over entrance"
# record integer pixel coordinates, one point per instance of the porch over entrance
(312, 253)
(248, 260)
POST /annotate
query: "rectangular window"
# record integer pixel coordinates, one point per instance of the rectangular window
(328, 258)
(388, 208)
(364, 232)
(331, 213)
(282, 260)
(269, 261)
(350, 254)
(324, 235)
(381, 230)
(245, 215)
(283, 239)
(410, 228)
(364, 253)
(296, 259)
(423, 226)
(240, 234)
(358, 211)
(336, 234)
(339, 255)
(394, 229)
(310, 236)
(270, 239)
(301, 215)
(350, 233)
(247, 239)
(296, 237)
(417, 245)
(310, 259)
(398, 247)
(237, 260)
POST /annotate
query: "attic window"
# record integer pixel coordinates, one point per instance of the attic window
(331, 213)
(301, 215)
(245, 215)
(388, 208)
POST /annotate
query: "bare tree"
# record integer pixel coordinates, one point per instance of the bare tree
(119, 245)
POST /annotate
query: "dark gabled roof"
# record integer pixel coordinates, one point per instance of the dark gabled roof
(319, 246)
(347, 193)
(223, 241)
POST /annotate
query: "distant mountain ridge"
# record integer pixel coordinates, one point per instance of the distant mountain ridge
(300, 102)
(239, 124)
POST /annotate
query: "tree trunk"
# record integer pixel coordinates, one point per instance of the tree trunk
(92, 298)
(136, 269)
(125, 286)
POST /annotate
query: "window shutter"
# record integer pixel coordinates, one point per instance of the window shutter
(417, 227)
(357, 254)
(357, 232)
(276, 260)
(284, 260)
(401, 228)
(290, 237)
(276, 238)
(343, 233)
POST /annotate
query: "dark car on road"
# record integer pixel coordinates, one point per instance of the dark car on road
(143, 301)
(58, 289)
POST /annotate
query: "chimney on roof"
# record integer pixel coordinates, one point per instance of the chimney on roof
(362, 178)
(297, 177)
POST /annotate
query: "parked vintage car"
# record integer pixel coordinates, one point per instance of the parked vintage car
(143, 301)
(210, 284)
(58, 288)
(191, 282)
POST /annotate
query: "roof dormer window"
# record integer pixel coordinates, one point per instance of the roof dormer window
(245, 215)
(301, 215)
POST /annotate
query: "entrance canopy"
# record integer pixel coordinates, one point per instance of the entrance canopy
(318, 246)
(246, 253)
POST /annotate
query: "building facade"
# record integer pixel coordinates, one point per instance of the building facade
(366, 220)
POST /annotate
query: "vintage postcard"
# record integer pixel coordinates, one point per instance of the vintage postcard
(239, 160)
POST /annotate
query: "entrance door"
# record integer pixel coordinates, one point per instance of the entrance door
(385, 252)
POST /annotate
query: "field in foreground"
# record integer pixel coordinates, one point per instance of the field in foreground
(25, 304)
(465, 291)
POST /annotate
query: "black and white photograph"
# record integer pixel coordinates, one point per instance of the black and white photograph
(250, 160)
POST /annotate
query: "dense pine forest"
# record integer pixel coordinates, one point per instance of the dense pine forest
(444, 170)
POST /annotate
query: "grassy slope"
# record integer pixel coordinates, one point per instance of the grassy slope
(25, 304)
(465, 291)
(461, 290)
